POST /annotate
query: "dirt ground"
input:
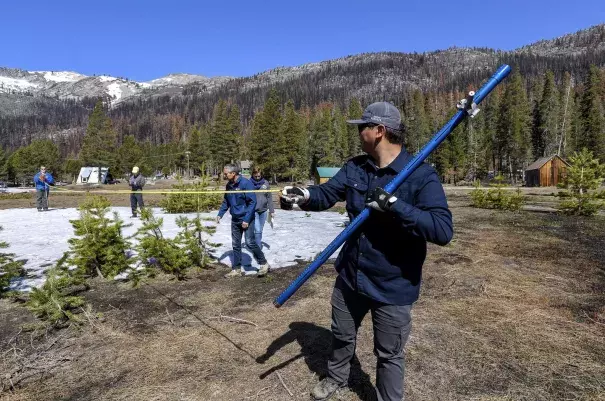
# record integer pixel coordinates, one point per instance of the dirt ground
(512, 309)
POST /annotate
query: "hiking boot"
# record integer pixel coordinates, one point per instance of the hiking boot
(233, 273)
(39, 209)
(264, 269)
(325, 389)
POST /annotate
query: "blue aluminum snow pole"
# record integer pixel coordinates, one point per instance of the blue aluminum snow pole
(466, 107)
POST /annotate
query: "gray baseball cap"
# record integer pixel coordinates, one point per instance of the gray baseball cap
(380, 113)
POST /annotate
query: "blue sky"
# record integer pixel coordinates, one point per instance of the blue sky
(143, 40)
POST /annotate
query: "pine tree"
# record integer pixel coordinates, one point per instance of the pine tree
(566, 100)
(3, 165)
(592, 134)
(99, 248)
(234, 133)
(548, 118)
(341, 135)
(491, 114)
(457, 152)
(266, 141)
(323, 140)
(56, 302)
(221, 147)
(129, 155)
(585, 174)
(26, 161)
(354, 113)
(9, 268)
(158, 252)
(294, 130)
(514, 127)
(99, 143)
(191, 240)
(417, 124)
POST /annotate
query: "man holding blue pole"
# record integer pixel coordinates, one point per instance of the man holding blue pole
(380, 265)
(43, 180)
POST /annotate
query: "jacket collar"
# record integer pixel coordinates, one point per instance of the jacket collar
(396, 165)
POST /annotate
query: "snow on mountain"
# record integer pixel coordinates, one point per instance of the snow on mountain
(60, 76)
(177, 79)
(73, 85)
(8, 84)
(186, 79)
(114, 91)
(106, 78)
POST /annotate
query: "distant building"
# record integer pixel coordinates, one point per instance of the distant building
(91, 175)
(546, 172)
(245, 166)
(323, 174)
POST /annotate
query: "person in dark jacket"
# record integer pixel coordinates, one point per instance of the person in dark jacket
(380, 265)
(136, 182)
(264, 205)
(241, 206)
(43, 180)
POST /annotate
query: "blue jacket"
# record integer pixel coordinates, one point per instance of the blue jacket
(40, 185)
(383, 259)
(241, 206)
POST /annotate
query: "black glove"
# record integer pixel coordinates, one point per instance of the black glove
(291, 195)
(381, 200)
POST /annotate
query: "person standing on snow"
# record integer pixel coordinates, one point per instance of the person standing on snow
(137, 182)
(241, 206)
(43, 180)
(380, 265)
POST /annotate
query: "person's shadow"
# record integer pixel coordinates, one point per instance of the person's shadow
(246, 259)
(315, 343)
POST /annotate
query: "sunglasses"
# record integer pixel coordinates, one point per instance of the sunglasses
(362, 127)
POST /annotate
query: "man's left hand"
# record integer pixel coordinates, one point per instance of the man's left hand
(381, 200)
(245, 225)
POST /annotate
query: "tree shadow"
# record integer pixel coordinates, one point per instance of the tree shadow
(315, 343)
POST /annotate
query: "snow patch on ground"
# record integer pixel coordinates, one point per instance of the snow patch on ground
(41, 238)
(17, 190)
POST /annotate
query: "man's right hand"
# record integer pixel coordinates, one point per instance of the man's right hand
(291, 195)
(218, 219)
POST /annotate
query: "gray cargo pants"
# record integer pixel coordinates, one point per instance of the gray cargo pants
(392, 324)
(42, 199)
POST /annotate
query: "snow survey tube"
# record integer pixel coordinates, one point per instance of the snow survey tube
(466, 107)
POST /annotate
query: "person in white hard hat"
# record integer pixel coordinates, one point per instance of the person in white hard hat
(137, 182)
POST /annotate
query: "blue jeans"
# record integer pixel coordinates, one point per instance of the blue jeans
(259, 223)
(236, 238)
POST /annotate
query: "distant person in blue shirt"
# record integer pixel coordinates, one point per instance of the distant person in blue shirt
(43, 180)
(242, 207)
(380, 265)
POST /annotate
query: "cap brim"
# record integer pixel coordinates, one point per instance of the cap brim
(356, 122)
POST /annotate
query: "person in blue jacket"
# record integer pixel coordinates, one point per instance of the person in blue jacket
(242, 207)
(380, 265)
(43, 180)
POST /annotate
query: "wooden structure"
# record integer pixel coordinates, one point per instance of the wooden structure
(546, 172)
(323, 174)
